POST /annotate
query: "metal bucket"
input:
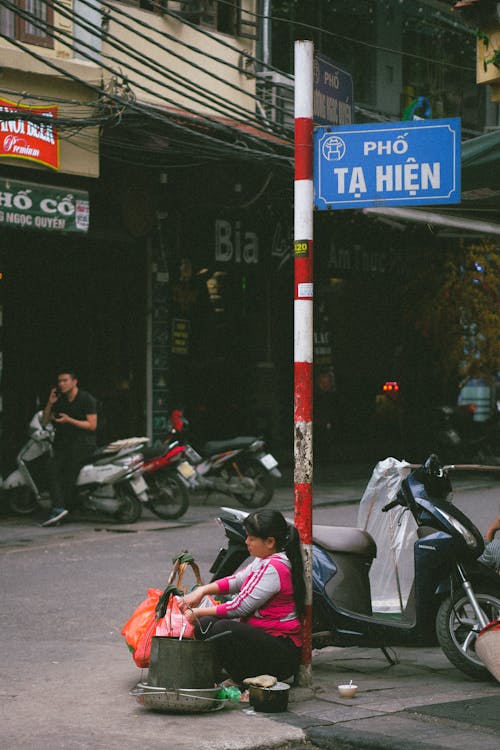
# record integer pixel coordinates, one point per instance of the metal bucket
(182, 664)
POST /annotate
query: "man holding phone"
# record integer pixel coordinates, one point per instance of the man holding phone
(73, 412)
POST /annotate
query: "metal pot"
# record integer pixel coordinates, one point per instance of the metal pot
(270, 700)
(182, 664)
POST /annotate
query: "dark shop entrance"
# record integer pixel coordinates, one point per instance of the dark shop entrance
(71, 303)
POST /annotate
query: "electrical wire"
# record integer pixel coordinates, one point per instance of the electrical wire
(310, 27)
(50, 30)
(214, 148)
(179, 17)
(123, 48)
(327, 32)
(120, 45)
(277, 107)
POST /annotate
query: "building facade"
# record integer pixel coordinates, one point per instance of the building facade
(147, 243)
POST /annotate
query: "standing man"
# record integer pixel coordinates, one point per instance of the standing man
(73, 412)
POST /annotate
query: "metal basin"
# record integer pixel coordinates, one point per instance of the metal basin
(178, 700)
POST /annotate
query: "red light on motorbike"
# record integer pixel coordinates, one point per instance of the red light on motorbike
(176, 419)
(390, 385)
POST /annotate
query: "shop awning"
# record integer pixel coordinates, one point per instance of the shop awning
(479, 210)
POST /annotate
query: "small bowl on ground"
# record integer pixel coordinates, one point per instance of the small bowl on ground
(347, 691)
(269, 700)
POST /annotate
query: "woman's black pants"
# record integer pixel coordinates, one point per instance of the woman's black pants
(246, 651)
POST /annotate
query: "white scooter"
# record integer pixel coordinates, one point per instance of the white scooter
(110, 483)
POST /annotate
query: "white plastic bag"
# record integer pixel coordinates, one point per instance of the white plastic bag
(393, 570)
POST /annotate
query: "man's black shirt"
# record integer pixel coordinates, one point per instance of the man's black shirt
(67, 434)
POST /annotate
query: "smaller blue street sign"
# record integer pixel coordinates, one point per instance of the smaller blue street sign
(387, 164)
(333, 93)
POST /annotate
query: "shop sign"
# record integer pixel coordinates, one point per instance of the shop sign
(233, 243)
(180, 336)
(31, 206)
(354, 259)
(20, 138)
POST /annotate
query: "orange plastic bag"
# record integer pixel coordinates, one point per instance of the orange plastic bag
(140, 627)
(142, 651)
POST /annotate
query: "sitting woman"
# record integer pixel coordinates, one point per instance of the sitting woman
(263, 620)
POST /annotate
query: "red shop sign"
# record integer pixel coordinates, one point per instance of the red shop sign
(22, 139)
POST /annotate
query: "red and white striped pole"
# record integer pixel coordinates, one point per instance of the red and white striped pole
(303, 327)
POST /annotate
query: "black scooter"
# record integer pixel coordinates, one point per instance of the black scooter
(452, 597)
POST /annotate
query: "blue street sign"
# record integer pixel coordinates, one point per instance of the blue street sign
(333, 93)
(387, 164)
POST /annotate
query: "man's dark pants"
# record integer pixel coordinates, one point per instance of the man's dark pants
(63, 470)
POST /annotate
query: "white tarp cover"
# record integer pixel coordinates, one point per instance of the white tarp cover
(392, 572)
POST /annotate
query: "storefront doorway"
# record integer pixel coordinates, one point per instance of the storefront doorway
(72, 302)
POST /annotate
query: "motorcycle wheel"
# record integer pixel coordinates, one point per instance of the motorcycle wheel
(264, 484)
(169, 497)
(455, 623)
(130, 507)
(22, 500)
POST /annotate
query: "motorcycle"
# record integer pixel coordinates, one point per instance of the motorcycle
(241, 467)
(169, 475)
(458, 438)
(451, 595)
(110, 483)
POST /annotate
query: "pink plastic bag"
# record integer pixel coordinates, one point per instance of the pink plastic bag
(174, 623)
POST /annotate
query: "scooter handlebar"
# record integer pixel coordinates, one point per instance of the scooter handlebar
(390, 506)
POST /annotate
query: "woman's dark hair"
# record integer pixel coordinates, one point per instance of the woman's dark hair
(267, 522)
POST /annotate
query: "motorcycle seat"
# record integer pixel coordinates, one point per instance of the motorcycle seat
(103, 455)
(345, 539)
(153, 451)
(100, 454)
(218, 446)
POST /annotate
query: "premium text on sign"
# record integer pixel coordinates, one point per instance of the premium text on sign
(21, 138)
(387, 164)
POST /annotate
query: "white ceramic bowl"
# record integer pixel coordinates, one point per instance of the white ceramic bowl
(347, 691)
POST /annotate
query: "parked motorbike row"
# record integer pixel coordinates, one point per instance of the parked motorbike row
(126, 475)
(451, 596)
(458, 438)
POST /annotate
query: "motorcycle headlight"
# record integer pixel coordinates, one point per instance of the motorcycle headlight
(468, 536)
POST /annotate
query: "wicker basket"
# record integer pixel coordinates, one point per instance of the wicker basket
(488, 647)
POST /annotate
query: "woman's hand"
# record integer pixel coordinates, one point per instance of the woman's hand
(190, 615)
(493, 528)
(193, 598)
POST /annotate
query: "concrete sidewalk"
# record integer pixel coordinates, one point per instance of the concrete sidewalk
(422, 701)
(419, 703)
